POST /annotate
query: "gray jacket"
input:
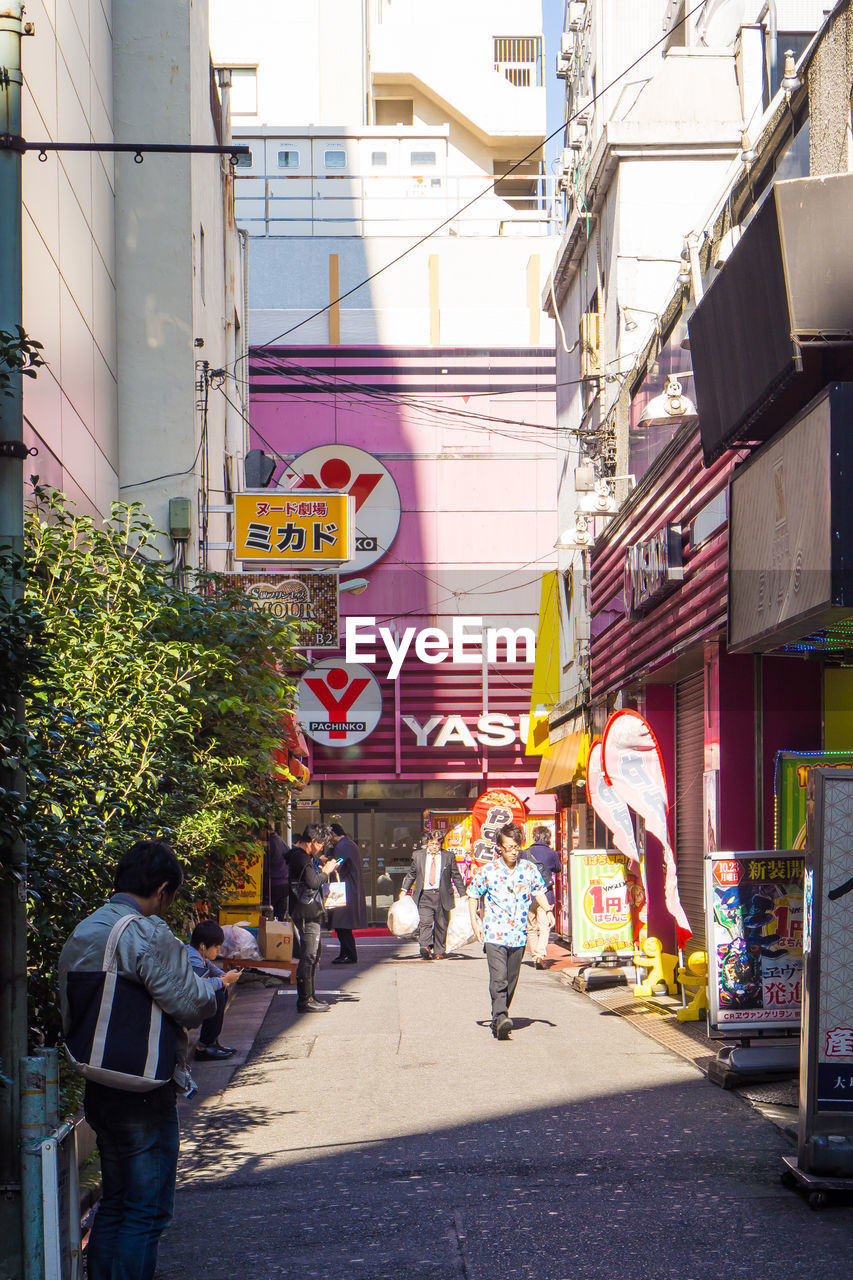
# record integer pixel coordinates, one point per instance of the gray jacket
(149, 953)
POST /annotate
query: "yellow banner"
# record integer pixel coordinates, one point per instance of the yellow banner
(545, 689)
(280, 528)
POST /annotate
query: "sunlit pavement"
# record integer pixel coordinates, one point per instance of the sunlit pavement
(394, 1137)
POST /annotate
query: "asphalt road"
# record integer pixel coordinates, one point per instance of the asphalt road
(394, 1137)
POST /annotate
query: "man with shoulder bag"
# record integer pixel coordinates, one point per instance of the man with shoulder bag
(128, 992)
(309, 873)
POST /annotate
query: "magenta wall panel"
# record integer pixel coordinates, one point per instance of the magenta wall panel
(793, 716)
(464, 519)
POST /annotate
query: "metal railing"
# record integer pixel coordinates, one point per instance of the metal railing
(399, 204)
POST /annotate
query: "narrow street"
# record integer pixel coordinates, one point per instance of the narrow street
(394, 1136)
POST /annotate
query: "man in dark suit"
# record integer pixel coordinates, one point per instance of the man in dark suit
(433, 873)
(354, 915)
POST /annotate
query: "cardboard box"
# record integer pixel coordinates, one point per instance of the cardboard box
(275, 939)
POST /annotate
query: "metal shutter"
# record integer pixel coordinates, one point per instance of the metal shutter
(689, 766)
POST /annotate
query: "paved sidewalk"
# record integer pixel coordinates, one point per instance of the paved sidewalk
(394, 1137)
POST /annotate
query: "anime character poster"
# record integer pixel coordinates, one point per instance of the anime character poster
(755, 940)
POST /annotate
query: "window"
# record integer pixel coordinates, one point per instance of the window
(245, 162)
(378, 158)
(519, 59)
(288, 159)
(244, 91)
(335, 158)
(395, 111)
(421, 158)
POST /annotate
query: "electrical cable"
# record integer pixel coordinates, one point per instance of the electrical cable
(491, 186)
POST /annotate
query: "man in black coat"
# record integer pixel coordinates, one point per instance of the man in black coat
(434, 873)
(309, 874)
(276, 875)
(354, 915)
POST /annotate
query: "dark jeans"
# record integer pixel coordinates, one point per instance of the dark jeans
(346, 938)
(211, 1027)
(432, 929)
(309, 956)
(504, 968)
(138, 1139)
(278, 901)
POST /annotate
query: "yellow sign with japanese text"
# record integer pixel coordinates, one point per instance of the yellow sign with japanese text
(281, 528)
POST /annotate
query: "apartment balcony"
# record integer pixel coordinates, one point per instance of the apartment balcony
(376, 184)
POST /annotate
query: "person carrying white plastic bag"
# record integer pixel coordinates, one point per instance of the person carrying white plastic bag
(403, 917)
(459, 930)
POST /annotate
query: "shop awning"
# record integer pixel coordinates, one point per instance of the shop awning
(560, 766)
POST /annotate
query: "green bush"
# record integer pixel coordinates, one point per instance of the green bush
(150, 710)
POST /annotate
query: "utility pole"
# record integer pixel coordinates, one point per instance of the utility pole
(13, 918)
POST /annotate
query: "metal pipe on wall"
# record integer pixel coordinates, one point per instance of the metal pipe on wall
(13, 955)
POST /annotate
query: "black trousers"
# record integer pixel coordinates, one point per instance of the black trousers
(432, 927)
(346, 938)
(211, 1027)
(278, 901)
(504, 967)
(310, 949)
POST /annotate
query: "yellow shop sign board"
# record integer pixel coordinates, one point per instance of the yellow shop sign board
(286, 528)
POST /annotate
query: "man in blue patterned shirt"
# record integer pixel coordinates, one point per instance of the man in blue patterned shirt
(507, 887)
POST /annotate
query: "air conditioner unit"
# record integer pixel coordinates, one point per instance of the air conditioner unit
(567, 159)
(590, 335)
(567, 43)
(564, 65)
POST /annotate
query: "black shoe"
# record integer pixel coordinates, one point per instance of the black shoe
(344, 960)
(502, 1028)
(312, 1006)
(426, 955)
(224, 1047)
(209, 1053)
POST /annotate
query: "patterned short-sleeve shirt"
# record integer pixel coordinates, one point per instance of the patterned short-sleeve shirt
(508, 893)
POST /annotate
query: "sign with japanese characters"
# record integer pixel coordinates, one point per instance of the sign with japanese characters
(754, 905)
(791, 791)
(493, 810)
(376, 499)
(304, 597)
(604, 896)
(277, 528)
(338, 704)
(826, 1070)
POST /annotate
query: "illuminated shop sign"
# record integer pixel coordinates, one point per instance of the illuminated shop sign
(652, 569)
(337, 705)
(276, 528)
(492, 729)
(370, 485)
(468, 644)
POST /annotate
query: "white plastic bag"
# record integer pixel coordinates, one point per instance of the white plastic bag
(459, 931)
(239, 944)
(403, 917)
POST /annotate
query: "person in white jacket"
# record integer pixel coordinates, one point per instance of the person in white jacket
(137, 1133)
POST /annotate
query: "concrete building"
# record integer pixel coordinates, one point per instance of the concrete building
(401, 230)
(657, 107)
(132, 272)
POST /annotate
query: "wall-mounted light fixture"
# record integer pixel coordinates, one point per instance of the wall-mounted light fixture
(672, 405)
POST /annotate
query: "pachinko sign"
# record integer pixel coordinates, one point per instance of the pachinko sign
(754, 904)
(493, 810)
(604, 897)
(455, 831)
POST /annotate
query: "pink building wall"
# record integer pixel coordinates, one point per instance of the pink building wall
(468, 436)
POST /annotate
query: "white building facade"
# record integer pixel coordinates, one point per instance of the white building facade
(657, 107)
(132, 271)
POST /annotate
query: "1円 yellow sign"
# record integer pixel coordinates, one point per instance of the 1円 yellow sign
(283, 528)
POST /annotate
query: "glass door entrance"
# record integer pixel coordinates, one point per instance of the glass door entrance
(386, 838)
